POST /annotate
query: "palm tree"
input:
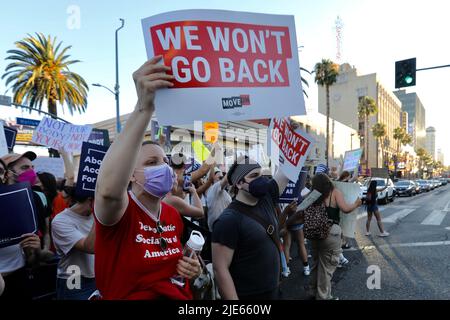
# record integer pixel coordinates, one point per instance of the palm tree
(379, 132)
(326, 75)
(421, 154)
(304, 81)
(40, 71)
(399, 135)
(366, 107)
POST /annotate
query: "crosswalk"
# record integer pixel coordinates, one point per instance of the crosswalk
(395, 213)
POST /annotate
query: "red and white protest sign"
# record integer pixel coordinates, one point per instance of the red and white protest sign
(289, 148)
(227, 65)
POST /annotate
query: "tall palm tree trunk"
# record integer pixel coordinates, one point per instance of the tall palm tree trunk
(328, 126)
(54, 112)
(366, 125)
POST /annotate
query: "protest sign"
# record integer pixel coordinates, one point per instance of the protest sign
(351, 159)
(157, 130)
(211, 130)
(309, 200)
(3, 143)
(60, 135)
(201, 152)
(100, 137)
(294, 188)
(18, 214)
(379, 173)
(351, 192)
(289, 148)
(239, 64)
(90, 160)
(10, 135)
(54, 166)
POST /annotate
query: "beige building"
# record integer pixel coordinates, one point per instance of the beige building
(344, 98)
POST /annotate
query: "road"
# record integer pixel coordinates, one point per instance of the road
(413, 262)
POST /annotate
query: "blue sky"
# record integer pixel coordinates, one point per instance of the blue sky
(375, 35)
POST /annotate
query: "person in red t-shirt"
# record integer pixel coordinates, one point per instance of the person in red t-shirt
(137, 247)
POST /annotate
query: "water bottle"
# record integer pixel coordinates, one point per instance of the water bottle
(193, 246)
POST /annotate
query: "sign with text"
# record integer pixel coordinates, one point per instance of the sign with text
(60, 135)
(10, 135)
(3, 143)
(91, 158)
(27, 122)
(17, 199)
(289, 148)
(294, 188)
(54, 166)
(351, 159)
(100, 137)
(228, 66)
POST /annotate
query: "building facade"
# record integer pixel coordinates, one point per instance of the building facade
(344, 98)
(430, 144)
(416, 116)
(440, 156)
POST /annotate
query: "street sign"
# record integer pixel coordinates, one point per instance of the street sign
(27, 122)
(5, 101)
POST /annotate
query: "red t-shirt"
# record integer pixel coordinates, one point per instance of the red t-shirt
(58, 206)
(129, 262)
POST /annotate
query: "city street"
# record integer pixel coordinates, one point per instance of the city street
(414, 261)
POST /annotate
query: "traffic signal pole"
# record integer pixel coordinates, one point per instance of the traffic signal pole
(438, 67)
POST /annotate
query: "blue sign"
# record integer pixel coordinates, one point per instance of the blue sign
(90, 160)
(100, 137)
(10, 135)
(28, 122)
(294, 189)
(18, 215)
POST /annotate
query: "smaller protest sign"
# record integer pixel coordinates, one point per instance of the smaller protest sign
(289, 148)
(351, 192)
(211, 130)
(91, 158)
(309, 200)
(10, 135)
(157, 130)
(100, 137)
(3, 143)
(351, 159)
(200, 150)
(17, 199)
(54, 166)
(59, 135)
(294, 188)
(379, 173)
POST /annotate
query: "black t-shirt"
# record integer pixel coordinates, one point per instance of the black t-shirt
(255, 267)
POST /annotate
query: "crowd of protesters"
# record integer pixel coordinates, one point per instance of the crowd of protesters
(127, 242)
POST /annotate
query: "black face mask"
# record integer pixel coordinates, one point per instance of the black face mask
(259, 187)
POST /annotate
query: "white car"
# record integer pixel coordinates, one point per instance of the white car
(383, 196)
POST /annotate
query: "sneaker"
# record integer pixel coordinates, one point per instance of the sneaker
(342, 261)
(306, 271)
(286, 273)
(384, 234)
(368, 234)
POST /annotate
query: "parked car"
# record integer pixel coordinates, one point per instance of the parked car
(436, 183)
(405, 188)
(418, 189)
(383, 196)
(443, 181)
(425, 186)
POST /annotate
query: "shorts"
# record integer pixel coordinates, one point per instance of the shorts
(296, 227)
(372, 208)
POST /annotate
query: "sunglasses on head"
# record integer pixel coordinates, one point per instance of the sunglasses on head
(162, 241)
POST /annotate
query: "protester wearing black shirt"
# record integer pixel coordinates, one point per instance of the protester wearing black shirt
(246, 259)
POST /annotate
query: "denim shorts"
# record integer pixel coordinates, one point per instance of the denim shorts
(296, 227)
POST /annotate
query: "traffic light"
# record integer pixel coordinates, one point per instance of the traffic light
(405, 73)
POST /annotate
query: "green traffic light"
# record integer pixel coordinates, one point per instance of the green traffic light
(408, 79)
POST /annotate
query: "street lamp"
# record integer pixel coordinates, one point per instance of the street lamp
(116, 91)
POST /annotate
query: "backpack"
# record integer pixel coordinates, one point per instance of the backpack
(316, 225)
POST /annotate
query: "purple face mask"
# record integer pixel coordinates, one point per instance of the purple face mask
(159, 180)
(29, 175)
